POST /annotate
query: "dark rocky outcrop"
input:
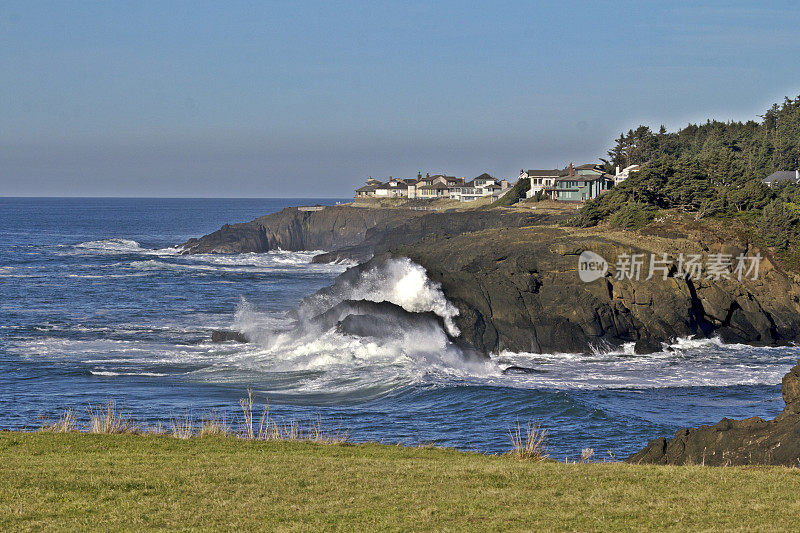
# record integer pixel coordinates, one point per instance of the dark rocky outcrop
(347, 232)
(518, 289)
(736, 442)
(295, 229)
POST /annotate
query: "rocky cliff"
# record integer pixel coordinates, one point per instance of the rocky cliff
(347, 232)
(518, 289)
(331, 228)
(736, 442)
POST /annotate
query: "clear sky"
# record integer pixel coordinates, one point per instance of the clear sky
(268, 99)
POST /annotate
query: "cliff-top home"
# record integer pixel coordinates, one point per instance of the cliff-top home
(572, 184)
(436, 186)
(782, 176)
(581, 183)
(625, 173)
(540, 179)
(480, 187)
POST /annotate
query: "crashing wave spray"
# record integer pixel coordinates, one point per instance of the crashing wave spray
(397, 280)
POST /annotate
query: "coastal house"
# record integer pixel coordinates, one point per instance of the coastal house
(480, 187)
(393, 188)
(540, 179)
(432, 187)
(782, 176)
(580, 184)
(622, 175)
(434, 190)
(367, 191)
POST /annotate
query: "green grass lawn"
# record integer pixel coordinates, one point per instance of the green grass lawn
(81, 481)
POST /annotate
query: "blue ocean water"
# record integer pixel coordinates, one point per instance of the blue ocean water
(96, 304)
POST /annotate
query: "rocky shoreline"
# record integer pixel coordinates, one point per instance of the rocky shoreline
(752, 441)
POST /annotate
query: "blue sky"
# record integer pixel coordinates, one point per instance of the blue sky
(300, 98)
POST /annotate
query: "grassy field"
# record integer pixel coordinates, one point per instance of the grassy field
(80, 481)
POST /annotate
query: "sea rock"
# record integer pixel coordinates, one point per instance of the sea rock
(736, 442)
(225, 335)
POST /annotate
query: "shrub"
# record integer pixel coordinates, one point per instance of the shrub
(632, 216)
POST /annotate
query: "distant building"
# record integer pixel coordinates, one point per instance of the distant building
(480, 187)
(581, 183)
(782, 176)
(432, 187)
(540, 179)
(579, 188)
(625, 173)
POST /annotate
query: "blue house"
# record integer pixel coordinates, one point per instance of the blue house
(582, 183)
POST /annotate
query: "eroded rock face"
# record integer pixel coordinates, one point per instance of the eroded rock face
(293, 229)
(736, 442)
(347, 232)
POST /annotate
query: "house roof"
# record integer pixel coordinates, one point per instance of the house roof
(485, 176)
(781, 175)
(437, 186)
(587, 166)
(579, 178)
(543, 173)
(368, 188)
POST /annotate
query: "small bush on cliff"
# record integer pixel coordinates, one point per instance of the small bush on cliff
(779, 225)
(632, 216)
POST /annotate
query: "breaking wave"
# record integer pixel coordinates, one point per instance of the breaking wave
(122, 246)
(399, 281)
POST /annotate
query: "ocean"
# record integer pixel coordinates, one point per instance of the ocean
(96, 304)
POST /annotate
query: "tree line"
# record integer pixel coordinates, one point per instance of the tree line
(713, 169)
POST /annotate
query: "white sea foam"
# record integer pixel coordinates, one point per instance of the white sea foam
(399, 281)
(686, 362)
(122, 246)
(107, 373)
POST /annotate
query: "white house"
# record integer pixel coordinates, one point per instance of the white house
(483, 185)
(392, 189)
(540, 179)
(621, 176)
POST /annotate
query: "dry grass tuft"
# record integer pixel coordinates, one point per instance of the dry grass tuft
(289, 431)
(319, 434)
(213, 426)
(108, 420)
(66, 422)
(183, 427)
(528, 443)
(246, 425)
